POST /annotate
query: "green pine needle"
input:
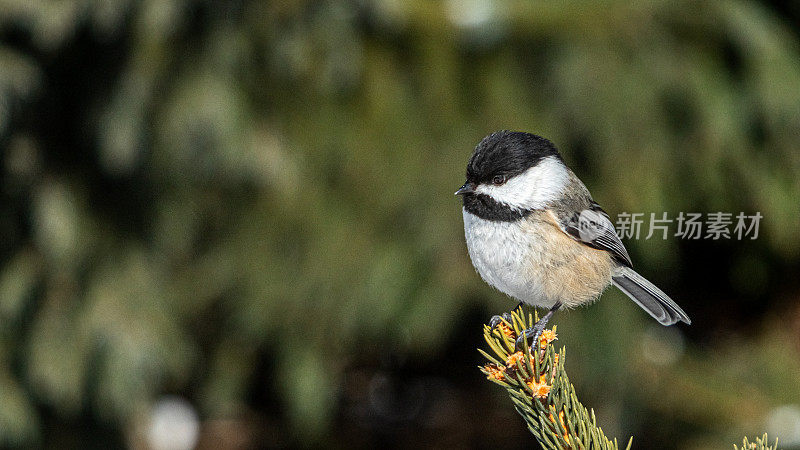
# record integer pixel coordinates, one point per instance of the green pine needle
(761, 443)
(540, 389)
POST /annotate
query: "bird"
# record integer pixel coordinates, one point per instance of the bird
(534, 232)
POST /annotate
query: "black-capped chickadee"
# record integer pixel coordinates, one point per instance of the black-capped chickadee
(534, 232)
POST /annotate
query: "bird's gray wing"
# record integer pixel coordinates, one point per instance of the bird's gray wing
(593, 227)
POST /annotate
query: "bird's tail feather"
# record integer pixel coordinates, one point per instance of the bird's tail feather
(649, 297)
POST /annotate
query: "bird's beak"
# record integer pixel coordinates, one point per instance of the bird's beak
(467, 188)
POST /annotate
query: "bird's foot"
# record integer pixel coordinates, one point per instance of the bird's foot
(531, 333)
(536, 330)
(497, 320)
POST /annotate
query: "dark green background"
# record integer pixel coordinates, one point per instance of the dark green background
(250, 205)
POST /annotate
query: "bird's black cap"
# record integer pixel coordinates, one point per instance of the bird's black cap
(507, 153)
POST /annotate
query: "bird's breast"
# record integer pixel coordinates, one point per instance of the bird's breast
(533, 261)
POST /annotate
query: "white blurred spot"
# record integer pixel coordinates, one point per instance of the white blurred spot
(662, 346)
(783, 422)
(471, 13)
(174, 425)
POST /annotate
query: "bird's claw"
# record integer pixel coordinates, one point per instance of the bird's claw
(497, 320)
(533, 332)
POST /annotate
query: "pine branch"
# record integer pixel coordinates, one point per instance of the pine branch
(541, 392)
(540, 389)
(761, 443)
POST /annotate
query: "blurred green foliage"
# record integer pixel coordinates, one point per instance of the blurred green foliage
(246, 203)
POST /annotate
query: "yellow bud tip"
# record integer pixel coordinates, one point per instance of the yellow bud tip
(494, 372)
(513, 358)
(547, 337)
(540, 389)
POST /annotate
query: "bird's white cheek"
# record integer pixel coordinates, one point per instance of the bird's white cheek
(511, 193)
(532, 189)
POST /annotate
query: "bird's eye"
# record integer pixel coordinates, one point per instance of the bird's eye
(498, 180)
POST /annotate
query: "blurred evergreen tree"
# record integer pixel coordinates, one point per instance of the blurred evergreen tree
(192, 188)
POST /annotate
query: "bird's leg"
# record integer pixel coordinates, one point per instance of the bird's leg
(497, 320)
(536, 330)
